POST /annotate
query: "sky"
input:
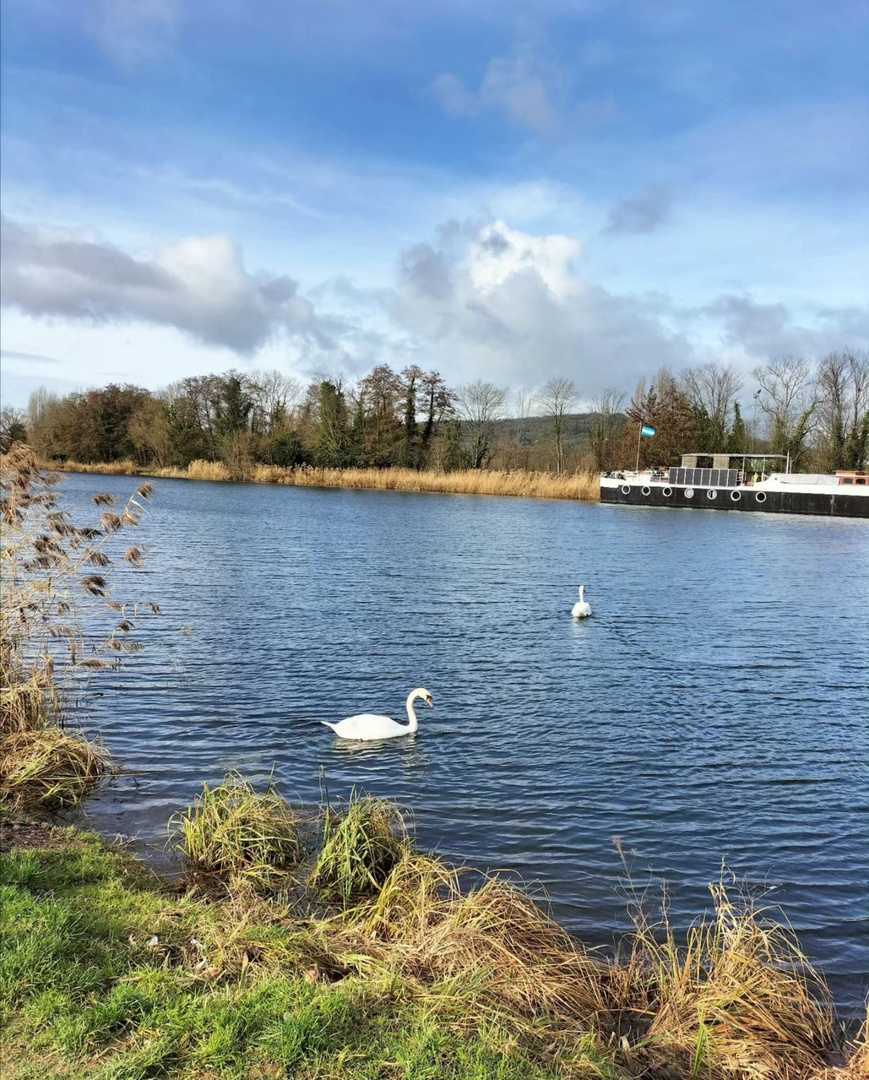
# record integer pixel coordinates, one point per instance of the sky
(499, 190)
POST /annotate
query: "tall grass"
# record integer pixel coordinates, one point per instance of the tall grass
(58, 620)
(529, 485)
(361, 845)
(233, 832)
(467, 482)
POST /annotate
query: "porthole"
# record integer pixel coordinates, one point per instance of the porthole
(647, 491)
(667, 492)
(735, 496)
(712, 494)
(760, 496)
(689, 493)
(625, 489)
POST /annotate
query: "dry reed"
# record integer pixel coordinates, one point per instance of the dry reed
(104, 468)
(738, 996)
(582, 486)
(48, 768)
(528, 485)
(55, 590)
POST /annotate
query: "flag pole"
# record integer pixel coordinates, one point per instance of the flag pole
(639, 436)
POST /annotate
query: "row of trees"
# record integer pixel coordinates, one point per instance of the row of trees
(817, 412)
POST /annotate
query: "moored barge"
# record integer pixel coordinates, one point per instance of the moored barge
(740, 482)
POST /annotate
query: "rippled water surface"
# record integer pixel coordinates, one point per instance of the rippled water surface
(714, 708)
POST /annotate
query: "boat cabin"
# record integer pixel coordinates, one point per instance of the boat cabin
(853, 477)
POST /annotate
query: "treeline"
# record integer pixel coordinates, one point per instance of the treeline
(815, 411)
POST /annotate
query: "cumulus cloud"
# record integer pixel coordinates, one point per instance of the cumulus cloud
(643, 213)
(509, 86)
(506, 305)
(198, 285)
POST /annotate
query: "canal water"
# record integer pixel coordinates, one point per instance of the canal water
(714, 710)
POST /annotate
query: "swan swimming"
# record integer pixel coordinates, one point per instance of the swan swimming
(369, 726)
(581, 610)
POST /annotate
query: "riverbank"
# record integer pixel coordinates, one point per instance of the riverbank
(527, 485)
(107, 971)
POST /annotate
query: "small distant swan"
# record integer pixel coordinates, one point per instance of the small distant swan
(581, 610)
(369, 726)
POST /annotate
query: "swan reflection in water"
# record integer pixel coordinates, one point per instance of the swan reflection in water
(409, 752)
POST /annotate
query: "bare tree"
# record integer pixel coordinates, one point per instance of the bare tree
(480, 404)
(276, 397)
(788, 400)
(843, 410)
(556, 399)
(712, 389)
(607, 419)
(13, 426)
(149, 430)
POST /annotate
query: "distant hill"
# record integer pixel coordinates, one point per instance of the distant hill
(538, 429)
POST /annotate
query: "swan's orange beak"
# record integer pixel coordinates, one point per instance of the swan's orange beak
(430, 702)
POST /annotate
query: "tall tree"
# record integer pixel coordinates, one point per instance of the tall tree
(381, 391)
(330, 446)
(712, 390)
(439, 404)
(557, 397)
(788, 401)
(843, 411)
(606, 420)
(411, 451)
(480, 404)
(668, 409)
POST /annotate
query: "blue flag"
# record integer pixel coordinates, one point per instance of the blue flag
(647, 430)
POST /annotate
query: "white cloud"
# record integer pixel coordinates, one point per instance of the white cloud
(495, 302)
(198, 285)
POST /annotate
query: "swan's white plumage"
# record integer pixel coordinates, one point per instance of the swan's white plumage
(581, 610)
(367, 727)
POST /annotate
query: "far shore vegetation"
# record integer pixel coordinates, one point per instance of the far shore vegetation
(267, 426)
(323, 943)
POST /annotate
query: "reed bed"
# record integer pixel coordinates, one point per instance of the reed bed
(581, 486)
(104, 468)
(235, 833)
(528, 485)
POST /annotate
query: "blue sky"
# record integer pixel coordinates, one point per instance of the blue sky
(589, 188)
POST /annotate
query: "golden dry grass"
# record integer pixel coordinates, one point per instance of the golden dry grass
(107, 468)
(48, 768)
(527, 485)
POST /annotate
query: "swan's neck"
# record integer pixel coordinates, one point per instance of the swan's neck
(582, 594)
(411, 713)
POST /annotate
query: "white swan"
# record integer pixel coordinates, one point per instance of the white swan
(369, 726)
(581, 610)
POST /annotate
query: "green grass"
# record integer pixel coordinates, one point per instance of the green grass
(231, 831)
(84, 994)
(361, 845)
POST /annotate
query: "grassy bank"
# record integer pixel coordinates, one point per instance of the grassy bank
(365, 958)
(584, 486)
